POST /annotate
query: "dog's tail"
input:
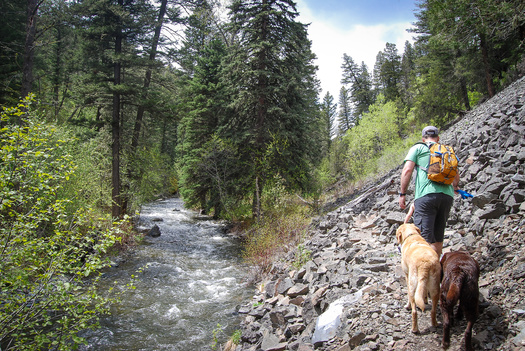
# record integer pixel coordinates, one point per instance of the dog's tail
(454, 289)
(421, 290)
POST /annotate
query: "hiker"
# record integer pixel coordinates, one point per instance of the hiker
(432, 200)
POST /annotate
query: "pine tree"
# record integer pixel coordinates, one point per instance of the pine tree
(387, 72)
(328, 114)
(408, 75)
(469, 46)
(272, 81)
(206, 104)
(345, 117)
(12, 36)
(362, 94)
(112, 31)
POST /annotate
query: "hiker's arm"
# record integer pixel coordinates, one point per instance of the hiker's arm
(406, 174)
(455, 183)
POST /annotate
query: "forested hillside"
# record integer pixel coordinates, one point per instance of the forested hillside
(107, 104)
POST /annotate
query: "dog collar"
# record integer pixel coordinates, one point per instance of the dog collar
(404, 240)
(409, 235)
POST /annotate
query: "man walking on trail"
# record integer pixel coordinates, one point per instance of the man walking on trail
(432, 200)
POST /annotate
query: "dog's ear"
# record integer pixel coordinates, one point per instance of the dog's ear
(399, 234)
(418, 230)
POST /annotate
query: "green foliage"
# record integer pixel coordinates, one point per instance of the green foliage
(236, 337)
(302, 255)
(378, 130)
(474, 97)
(270, 238)
(153, 175)
(90, 185)
(322, 177)
(218, 170)
(216, 333)
(47, 253)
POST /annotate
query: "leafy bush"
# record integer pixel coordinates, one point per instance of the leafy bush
(377, 131)
(302, 255)
(90, 185)
(271, 237)
(153, 175)
(49, 256)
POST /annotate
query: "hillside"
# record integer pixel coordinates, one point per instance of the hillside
(354, 278)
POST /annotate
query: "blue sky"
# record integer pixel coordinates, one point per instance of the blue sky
(359, 28)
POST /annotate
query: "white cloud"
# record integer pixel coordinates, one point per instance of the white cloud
(361, 42)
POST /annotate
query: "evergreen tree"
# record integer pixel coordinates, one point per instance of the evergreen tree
(362, 94)
(328, 114)
(345, 117)
(442, 86)
(272, 81)
(206, 105)
(365, 96)
(387, 72)
(17, 47)
(408, 75)
(484, 28)
(468, 47)
(56, 61)
(112, 30)
(29, 47)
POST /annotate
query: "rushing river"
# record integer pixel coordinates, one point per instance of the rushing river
(193, 280)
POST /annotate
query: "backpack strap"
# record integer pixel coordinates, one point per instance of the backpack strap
(425, 169)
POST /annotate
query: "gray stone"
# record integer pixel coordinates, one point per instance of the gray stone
(298, 289)
(271, 342)
(482, 199)
(284, 285)
(491, 211)
(395, 218)
(154, 232)
(356, 339)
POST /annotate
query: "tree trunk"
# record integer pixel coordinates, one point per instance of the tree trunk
(140, 111)
(116, 209)
(256, 206)
(261, 117)
(486, 64)
(56, 74)
(29, 48)
(147, 78)
(463, 85)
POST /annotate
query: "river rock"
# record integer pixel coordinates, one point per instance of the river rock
(154, 232)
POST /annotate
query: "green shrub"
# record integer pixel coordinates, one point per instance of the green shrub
(50, 258)
(90, 185)
(302, 255)
(271, 237)
(236, 337)
(377, 131)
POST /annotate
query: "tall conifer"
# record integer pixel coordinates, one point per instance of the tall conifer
(272, 81)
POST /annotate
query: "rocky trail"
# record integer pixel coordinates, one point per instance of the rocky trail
(350, 294)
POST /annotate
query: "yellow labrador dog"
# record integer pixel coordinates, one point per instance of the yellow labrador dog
(422, 269)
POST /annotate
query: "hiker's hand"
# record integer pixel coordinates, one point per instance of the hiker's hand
(464, 194)
(402, 203)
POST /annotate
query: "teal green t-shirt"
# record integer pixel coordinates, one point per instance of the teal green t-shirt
(420, 154)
